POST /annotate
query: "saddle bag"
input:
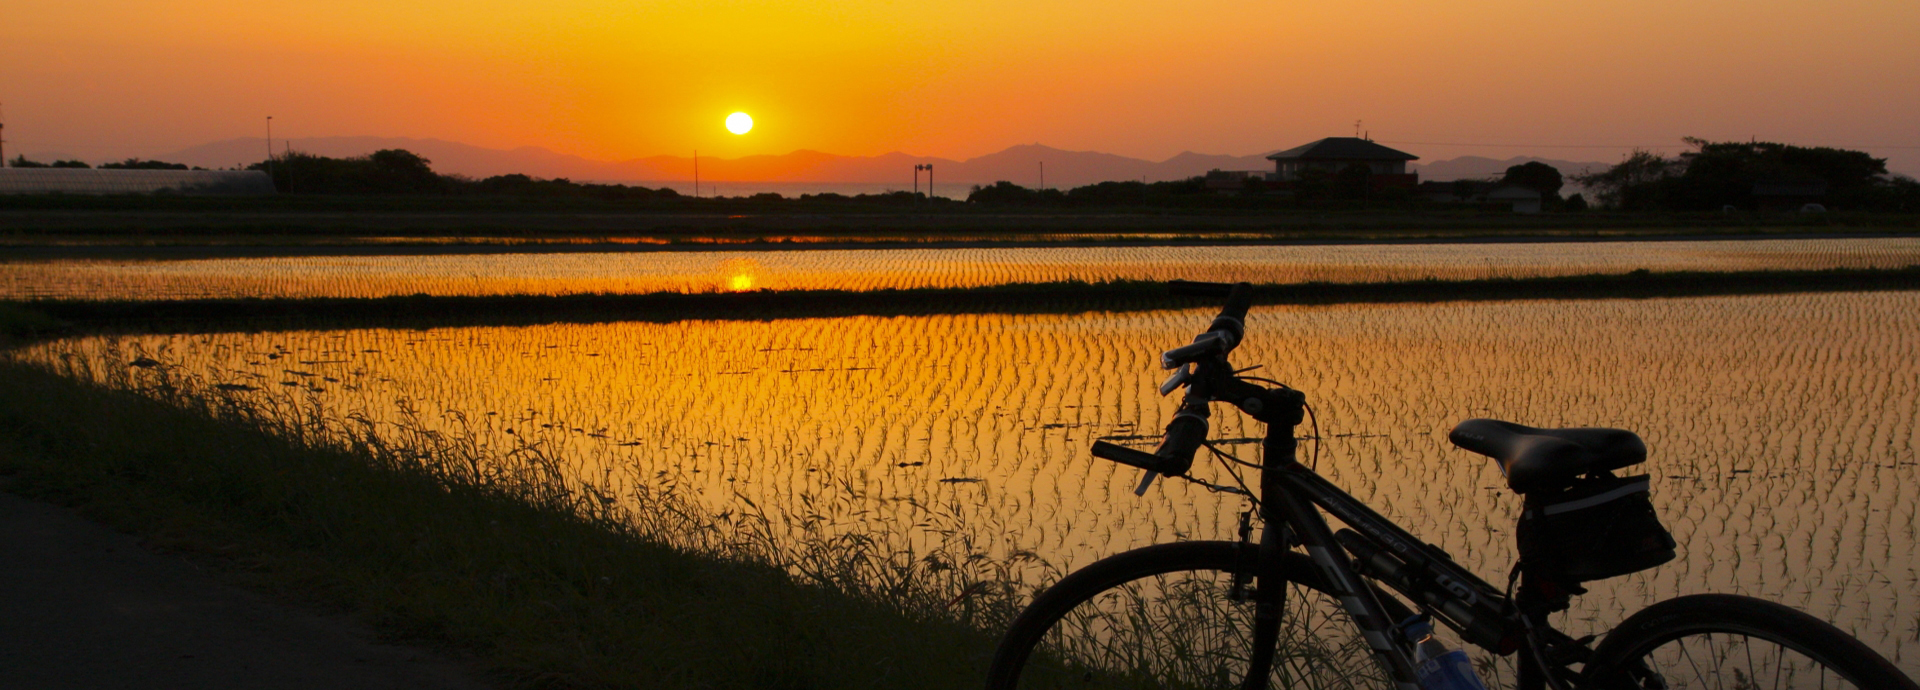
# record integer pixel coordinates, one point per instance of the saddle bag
(1594, 528)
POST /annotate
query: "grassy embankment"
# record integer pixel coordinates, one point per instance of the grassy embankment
(544, 583)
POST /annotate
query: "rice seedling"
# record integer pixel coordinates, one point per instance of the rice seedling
(573, 273)
(853, 450)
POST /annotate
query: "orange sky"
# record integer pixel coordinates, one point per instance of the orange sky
(102, 79)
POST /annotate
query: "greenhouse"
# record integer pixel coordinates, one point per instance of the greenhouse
(97, 182)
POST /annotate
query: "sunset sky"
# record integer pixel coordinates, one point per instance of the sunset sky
(106, 79)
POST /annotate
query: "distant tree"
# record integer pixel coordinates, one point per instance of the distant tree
(389, 171)
(1111, 193)
(1576, 203)
(69, 164)
(1719, 174)
(1002, 193)
(22, 162)
(1536, 176)
(1727, 173)
(137, 164)
(404, 170)
(1631, 183)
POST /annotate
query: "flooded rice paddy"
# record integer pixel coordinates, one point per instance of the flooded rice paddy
(558, 273)
(1785, 453)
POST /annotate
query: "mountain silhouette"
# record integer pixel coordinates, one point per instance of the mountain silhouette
(1018, 164)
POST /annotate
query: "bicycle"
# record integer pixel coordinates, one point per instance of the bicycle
(1306, 606)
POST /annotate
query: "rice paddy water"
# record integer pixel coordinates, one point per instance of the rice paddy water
(1782, 428)
(557, 273)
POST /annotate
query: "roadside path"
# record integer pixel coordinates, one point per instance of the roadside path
(82, 606)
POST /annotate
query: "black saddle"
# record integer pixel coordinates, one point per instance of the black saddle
(1536, 459)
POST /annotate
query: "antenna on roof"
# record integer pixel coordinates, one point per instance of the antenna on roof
(3, 138)
(1356, 128)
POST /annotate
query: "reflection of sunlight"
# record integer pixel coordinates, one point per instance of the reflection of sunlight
(740, 274)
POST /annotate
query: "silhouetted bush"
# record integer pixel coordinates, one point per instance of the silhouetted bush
(1749, 175)
(137, 164)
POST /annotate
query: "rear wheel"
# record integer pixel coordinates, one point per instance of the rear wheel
(1167, 617)
(1716, 641)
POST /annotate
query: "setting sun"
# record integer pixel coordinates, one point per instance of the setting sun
(739, 123)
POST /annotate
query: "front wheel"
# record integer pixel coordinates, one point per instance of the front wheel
(1725, 641)
(1167, 616)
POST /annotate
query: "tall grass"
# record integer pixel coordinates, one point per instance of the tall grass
(544, 577)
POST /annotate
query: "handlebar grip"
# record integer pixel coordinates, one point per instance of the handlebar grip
(1127, 456)
(1238, 299)
(1193, 288)
(1223, 334)
(1208, 343)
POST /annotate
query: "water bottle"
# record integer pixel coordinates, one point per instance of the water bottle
(1437, 667)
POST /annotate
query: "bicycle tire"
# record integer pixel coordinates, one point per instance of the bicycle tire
(1709, 641)
(1035, 652)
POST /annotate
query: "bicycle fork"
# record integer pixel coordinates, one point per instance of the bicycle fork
(1290, 516)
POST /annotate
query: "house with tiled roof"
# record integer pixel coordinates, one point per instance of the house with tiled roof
(1388, 167)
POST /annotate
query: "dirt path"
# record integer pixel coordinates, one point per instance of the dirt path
(82, 606)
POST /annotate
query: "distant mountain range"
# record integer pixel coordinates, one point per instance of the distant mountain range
(1019, 164)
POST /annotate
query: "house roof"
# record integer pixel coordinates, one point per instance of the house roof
(1343, 149)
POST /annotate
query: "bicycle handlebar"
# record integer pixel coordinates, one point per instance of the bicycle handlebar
(1223, 334)
(1188, 430)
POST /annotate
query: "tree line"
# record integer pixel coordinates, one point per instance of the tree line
(128, 164)
(1752, 175)
(1714, 176)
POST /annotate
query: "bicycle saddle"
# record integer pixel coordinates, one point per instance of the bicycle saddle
(1536, 459)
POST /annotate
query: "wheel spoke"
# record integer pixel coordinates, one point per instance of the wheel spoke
(1738, 643)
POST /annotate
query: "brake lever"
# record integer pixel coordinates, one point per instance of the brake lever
(1178, 379)
(1146, 480)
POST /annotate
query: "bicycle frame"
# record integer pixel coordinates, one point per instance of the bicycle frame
(1292, 497)
(1372, 565)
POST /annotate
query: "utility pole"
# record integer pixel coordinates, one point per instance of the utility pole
(916, 179)
(3, 138)
(696, 173)
(270, 147)
(1043, 176)
(929, 183)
